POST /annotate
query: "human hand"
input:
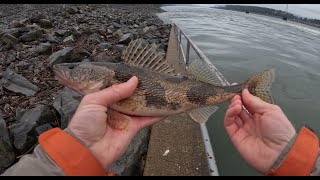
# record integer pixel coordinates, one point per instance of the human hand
(261, 136)
(93, 124)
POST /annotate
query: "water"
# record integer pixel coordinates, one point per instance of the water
(240, 45)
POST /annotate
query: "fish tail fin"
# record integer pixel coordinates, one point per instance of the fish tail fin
(260, 84)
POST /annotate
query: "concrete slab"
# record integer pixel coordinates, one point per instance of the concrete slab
(179, 135)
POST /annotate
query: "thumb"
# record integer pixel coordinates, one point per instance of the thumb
(254, 104)
(113, 94)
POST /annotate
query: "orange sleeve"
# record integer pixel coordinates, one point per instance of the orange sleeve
(301, 158)
(69, 154)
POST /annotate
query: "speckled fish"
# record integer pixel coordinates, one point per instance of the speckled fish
(160, 92)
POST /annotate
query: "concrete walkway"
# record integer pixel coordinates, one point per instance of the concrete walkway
(176, 147)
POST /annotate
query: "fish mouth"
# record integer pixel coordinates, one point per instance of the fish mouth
(62, 72)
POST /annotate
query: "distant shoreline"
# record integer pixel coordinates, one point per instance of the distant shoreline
(278, 17)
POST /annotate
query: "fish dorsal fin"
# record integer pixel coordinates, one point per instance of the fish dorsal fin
(139, 53)
(200, 71)
(201, 115)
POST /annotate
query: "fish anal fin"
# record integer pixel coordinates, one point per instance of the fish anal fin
(201, 115)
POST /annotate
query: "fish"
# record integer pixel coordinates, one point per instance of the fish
(160, 91)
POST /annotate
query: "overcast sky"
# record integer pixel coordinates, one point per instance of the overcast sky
(304, 10)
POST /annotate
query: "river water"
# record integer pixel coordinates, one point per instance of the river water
(240, 45)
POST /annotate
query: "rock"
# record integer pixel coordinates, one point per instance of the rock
(43, 128)
(13, 32)
(68, 39)
(67, 55)
(148, 36)
(23, 65)
(111, 28)
(116, 25)
(103, 57)
(129, 163)
(145, 30)
(32, 101)
(60, 32)
(31, 36)
(125, 39)
(19, 113)
(15, 24)
(23, 132)
(44, 48)
(109, 31)
(118, 33)
(73, 31)
(7, 155)
(71, 10)
(95, 38)
(18, 84)
(36, 18)
(66, 103)
(81, 20)
(103, 46)
(86, 60)
(60, 56)
(8, 39)
(51, 38)
(118, 47)
(45, 23)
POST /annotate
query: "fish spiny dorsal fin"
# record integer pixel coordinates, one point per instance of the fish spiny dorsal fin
(200, 71)
(141, 54)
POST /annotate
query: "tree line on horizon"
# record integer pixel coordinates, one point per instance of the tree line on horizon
(269, 11)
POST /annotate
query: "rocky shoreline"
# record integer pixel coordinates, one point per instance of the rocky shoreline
(35, 37)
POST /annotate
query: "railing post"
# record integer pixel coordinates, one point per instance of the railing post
(188, 52)
(179, 45)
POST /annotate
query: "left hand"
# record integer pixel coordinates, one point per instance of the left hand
(89, 123)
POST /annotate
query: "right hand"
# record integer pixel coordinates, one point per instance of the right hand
(261, 136)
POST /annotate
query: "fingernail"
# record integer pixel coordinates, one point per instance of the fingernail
(131, 79)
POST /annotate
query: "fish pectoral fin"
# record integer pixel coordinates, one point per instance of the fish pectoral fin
(201, 115)
(117, 120)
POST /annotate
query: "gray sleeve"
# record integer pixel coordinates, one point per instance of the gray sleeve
(36, 164)
(316, 168)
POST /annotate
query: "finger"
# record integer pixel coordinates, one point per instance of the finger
(254, 104)
(229, 119)
(112, 94)
(244, 116)
(236, 97)
(239, 122)
(237, 101)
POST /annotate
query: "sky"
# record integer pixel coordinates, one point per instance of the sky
(303, 10)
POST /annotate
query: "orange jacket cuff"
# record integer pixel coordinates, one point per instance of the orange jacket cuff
(301, 158)
(69, 154)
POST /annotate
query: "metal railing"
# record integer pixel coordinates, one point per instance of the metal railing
(186, 59)
(186, 56)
